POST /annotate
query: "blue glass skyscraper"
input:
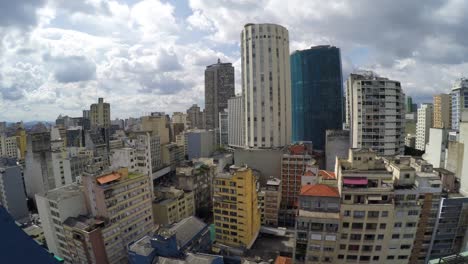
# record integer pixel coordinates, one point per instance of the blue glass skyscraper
(317, 93)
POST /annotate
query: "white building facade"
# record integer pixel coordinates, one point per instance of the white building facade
(459, 101)
(424, 123)
(236, 122)
(266, 85)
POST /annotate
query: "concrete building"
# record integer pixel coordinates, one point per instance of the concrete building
(463, 159)
(270, 201)
(189, 235)
(424, 123)
(235, 207)
(99, 114)
(317, 224)
(409, 105)
(180, 141)
(296, 164)
(317, 93)
(195, 117)
(38, 173)
(179, 118)
(266, 85)
(236, 133)
(12, 193)
(375, 108)
(219, 87)
(172, 155)
(223, 130)
(459, 96)
(442, 111)
(436, 147)
(172, 205)
(54, 207)
(410, 140)
(147, 153)
(158, 125)
(9, 146)
(265, 162)
(200, 143)
(198, 180)
(336, 145)
(123, 201)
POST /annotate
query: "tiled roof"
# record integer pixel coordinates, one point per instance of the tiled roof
(327, 175)
(283, 260)
(320, 190)
(108, 178)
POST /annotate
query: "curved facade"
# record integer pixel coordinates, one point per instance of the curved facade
(317, 93)
(266, 85)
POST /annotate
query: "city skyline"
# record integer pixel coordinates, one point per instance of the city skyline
(58, 57)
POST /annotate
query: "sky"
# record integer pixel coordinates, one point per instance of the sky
(59, 56)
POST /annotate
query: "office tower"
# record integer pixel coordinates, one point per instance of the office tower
(147, 152)
(266, 85)
(172, 155)
(459, 96)
(223, 134)
(123, 201)
(54, 207)
(195, 117)
(21, 142)
(317, 224)
(197, 179)
(158, 125)
(375, 113)
(296, 161)
(436, 150)
(235, 207)
(99, 114)
(442, 111)
(219, 87)
(317, 91)
(463, 158)
(179, 118)
(409, 105)
(424, 123)
(12, 193)
(236, 123)
(200, 143)
(270, 200)
(172, 205)
(336, 145)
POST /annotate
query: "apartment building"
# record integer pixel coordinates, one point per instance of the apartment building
(424, 123)
(12, 193)
(172, 205)
(271, 202)
(158, 124)
(235, 207)
(294, 162)
(99, 114)
(123, 200)
(54, 207)
(197, 178)
(375, 113)
(442, 111)
(317, 224)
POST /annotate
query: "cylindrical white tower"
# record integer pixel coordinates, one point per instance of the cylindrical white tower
(266, 85)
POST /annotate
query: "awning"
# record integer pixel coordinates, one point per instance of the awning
(108, 178)
(355, 181)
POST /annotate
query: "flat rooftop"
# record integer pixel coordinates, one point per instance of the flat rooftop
(142, 247)
(64, 192)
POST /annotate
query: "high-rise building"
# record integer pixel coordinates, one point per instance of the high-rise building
(9, 146)
(195, 117)
(459, 101)
(123, 201)
(223, 131)
(296, 164)
(317, 92)
(38, 173)
(409, 105)
(12, 193)
(219, 87)
(266, 85)
(200, 143)
(172, 205)
(442, 111)
(235, 207)
(236, 123)
(375, 109)
(158, 125)
(99, 114)
(270, 200)
(424, 123)
(54, 207)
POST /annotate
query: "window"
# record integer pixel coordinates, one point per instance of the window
(380, 237)
(383, 226)
(390, 257)
(402, 257)
(413, 212)
(396, 236)
(345, 225)
(405, 247)
(397, 225)
(359, 214)
(384, 213)
(373, 214)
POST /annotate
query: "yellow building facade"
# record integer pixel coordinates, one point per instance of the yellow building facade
(236, 208)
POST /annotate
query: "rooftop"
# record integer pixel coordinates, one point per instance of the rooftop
(84, 223)
(327, 175)
(184, 230)
(320, 190)
(323, 215)
(64, 192)
(283, 260)
(142, 247)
